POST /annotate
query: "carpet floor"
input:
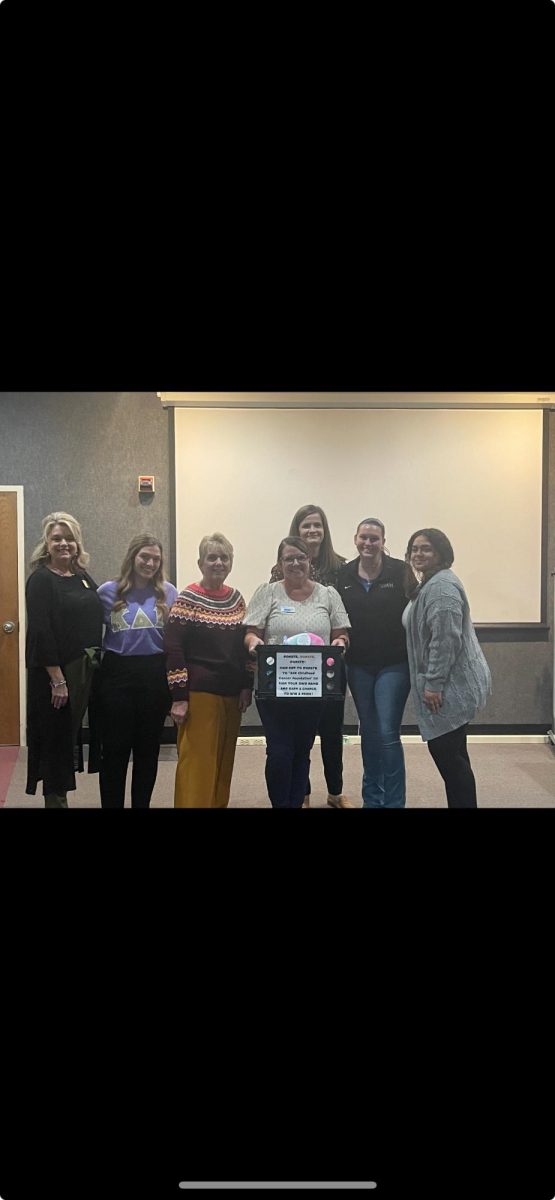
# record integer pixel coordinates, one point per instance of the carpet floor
(507, 776)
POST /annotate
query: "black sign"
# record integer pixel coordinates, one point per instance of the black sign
(299, 672)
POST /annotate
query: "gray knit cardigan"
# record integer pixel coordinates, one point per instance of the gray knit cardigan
(445, 655)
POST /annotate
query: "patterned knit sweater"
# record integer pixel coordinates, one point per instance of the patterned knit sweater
(203, 641)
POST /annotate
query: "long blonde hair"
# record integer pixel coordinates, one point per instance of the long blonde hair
(125, 580)
(40, 555)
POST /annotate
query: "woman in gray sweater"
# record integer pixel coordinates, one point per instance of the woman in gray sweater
(450, 677)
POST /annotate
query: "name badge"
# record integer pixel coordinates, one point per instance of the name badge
(287, 608)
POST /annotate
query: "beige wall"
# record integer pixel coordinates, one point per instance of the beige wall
(477, 474)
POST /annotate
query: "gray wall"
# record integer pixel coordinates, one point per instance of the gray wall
(82, 452)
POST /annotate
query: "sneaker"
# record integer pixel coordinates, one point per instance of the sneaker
(340, 802)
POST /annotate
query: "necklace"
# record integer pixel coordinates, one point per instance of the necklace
(64, 574)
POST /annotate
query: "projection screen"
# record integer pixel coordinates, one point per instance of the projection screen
(476, 474)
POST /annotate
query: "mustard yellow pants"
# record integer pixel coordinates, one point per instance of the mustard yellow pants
(206, 747)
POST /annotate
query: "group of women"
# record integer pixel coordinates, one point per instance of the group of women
(133, 650)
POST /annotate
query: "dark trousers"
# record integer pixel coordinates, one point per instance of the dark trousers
(79, 676)
(450, 755)
(133, 702)
(330, 731)
(290, 727)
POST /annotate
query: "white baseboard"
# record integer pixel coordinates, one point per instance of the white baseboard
(414, 739)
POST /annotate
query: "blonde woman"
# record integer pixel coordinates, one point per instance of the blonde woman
(209, 677)
(133, 696)
(64, 634)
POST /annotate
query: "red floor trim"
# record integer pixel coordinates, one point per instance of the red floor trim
(8, 759)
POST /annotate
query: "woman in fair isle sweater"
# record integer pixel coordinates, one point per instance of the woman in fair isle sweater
(209, 677)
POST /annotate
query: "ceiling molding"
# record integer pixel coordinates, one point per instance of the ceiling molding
(355, 400)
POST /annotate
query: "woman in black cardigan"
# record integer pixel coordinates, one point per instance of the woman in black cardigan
(64, 633)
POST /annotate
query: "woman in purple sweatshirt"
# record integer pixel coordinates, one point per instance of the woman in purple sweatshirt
(133, 697)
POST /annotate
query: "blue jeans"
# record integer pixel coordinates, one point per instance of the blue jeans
(380, 701)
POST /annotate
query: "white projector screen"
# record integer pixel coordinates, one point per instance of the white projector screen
(476, 474)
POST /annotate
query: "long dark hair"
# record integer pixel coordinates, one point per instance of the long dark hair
(328, 560)
(441, 545)
(125, 577)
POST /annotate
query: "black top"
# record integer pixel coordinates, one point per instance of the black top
(64, 616)
(377, 637)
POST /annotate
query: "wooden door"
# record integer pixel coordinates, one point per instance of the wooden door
(9, 622)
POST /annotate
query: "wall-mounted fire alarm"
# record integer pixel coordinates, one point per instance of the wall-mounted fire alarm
(146, 483)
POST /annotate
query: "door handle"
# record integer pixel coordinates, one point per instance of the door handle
(8, 626)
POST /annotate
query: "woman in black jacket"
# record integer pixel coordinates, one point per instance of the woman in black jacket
(372, 588)
(64, 635)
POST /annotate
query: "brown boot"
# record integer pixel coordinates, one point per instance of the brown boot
(340, 802)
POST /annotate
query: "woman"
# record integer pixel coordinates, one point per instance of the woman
(310, 523)
(281, 609)
(450, 677)
(64, 633)
(209, 677)
(133, 697)
(372, 587)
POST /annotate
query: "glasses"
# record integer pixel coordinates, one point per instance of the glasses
(297, 558)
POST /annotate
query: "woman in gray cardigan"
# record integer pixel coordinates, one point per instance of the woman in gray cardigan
(450, 677)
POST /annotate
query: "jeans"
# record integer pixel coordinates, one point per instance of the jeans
(290, 727)
(450, 755)
(380, 700)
